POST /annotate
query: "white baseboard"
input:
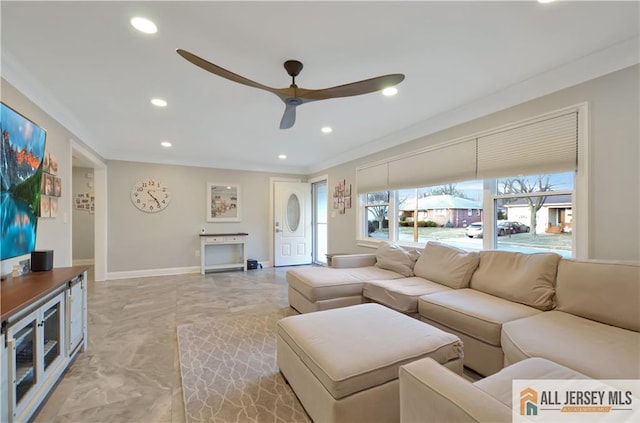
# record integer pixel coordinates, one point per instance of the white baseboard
(153, 272)
(84, 262)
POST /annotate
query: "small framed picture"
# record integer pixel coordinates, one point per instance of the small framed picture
(53, 164)
(45, 210)
(53, 206)
(347, 202)
(57, 186)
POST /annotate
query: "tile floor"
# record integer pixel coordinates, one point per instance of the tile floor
(130, 372)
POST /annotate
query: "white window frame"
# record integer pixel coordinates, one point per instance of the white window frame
(579, 195)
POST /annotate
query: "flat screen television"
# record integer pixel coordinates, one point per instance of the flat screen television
(23, 148)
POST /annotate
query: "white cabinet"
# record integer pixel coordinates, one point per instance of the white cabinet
(76, 313)
(223, 251)
(35, 355)
(44, 326)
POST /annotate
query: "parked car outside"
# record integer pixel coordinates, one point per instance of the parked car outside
(474, 230)
(520, 227)
(505, 227)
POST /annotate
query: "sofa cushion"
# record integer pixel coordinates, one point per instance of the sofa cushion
(323, 283)
(352, 349)
(390, 256)
(499, 385)
(595, 349)
(401, 294)
(472, 313)
(524, 278)
(605, 292)
(446, 265)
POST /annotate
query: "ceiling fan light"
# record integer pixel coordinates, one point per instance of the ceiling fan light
(327, 130)
(390, 91)
(144, 25)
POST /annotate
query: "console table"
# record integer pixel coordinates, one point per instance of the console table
(218, 240)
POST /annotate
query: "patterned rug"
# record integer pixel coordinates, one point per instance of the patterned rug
(229, 371)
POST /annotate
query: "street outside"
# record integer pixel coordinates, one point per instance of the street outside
(522, 242)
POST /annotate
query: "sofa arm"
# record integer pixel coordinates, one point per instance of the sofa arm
(429, 392)
(353, 260)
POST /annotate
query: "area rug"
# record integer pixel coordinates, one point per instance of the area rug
(229, 371)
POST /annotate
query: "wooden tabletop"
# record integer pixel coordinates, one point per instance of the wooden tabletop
(234, 234)
(18, 293)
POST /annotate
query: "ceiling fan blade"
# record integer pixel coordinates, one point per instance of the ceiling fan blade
(289, 116)
(355, 88)
(217, 70)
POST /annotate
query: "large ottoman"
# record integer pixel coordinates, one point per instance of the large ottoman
(343, 363)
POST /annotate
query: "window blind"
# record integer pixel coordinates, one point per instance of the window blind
(449, 163)
(372, 178)
(546, 146)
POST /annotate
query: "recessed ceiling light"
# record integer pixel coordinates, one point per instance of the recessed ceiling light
(389, 91)
(158, 102)
(165, 144)
(327, 130)
(546, 1)
(144, 25)
(282, 156)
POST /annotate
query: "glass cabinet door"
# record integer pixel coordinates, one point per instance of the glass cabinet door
(51, 325)
(24, 359)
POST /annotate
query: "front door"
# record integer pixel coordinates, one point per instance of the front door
(292, 223)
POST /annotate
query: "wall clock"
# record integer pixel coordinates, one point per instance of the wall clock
(149, 195)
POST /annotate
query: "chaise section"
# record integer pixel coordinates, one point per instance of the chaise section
(321, 288)
(595, 349)
(477, 318)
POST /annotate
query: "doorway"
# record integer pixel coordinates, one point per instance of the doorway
(81, 154)
(319, 202)
(292, 223)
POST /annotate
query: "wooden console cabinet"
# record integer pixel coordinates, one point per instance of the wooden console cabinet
(44, 325)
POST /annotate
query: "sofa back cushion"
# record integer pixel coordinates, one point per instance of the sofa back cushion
(523, 278)
(605, 292)
(390, 256)
(446, 265)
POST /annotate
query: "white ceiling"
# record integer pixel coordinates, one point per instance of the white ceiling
(87, 67)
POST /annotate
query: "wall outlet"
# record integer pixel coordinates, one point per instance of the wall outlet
(197, 253)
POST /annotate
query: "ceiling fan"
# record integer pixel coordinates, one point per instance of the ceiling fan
(295, 96)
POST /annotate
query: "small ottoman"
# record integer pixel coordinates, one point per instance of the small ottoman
(343, 363)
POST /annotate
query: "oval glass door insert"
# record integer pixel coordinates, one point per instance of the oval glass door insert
(293, 213)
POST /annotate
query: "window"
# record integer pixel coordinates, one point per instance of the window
(437, 213)
(535, 213)
(512, 212)
(376, 212)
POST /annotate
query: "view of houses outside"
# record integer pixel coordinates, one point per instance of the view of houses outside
(527, 220)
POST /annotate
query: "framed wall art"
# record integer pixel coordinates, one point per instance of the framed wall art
(223, 202)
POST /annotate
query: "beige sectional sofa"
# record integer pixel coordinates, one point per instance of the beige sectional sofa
(505, 306)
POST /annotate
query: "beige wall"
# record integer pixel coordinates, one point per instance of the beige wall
(52, 234)
(614, 192)
(170, 238)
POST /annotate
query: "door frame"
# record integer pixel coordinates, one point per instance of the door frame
(272, 205)
(100, 213)
(314, 239)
